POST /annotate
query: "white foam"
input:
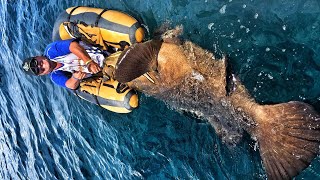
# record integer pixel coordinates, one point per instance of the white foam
(210, 26)
(284, 27)
(223, 9)
(196, 75)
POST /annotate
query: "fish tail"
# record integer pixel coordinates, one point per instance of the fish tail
(289, 137)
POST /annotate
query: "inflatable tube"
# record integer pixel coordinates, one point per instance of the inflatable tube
(111, 94)
(99, 26)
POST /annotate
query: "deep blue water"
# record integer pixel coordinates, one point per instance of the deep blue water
(48, 133)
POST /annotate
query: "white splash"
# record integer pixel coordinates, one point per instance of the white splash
(210, 26)
(223, 9)
(284, 27)
(196, 75)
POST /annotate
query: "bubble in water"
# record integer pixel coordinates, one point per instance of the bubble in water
(229, 45)
(256, 15)
(270, 77)
(244, 6)
(231, 35)
(301, 97)
(283, 50)
(247, 30)
(223, 9)
(284, 27)
(267, 49)
(210, 26)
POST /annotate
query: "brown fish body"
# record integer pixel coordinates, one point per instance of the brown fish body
(191, 79)
(188, 77)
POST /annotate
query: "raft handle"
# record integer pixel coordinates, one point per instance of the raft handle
(69, 17)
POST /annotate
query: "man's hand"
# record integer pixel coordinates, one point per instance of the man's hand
(93, 67)
(74, 81)
(79, 75)
(81, 53)
(108, 71)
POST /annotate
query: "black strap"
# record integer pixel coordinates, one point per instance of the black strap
(99, 16)
(122, 87)
(96, 99)
(76, 93)
(69, 17)
(122, 44)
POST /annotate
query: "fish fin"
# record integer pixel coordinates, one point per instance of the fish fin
(137, 60)
(288, 136)
(147, 75)
(230, 78)
(168, 34)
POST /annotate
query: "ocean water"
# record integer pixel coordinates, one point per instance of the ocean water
(48, 133)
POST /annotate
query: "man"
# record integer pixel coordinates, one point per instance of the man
(67, 62)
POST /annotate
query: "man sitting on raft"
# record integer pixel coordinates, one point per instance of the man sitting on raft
(67, 62)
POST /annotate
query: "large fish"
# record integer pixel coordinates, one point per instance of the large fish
(188, 77)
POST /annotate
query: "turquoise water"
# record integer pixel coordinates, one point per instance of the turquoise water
(48, 133)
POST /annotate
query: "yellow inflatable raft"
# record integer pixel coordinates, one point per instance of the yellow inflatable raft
(102, 27)
(111, 94)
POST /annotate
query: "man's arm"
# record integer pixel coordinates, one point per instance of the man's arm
(74, 81)
(67, 79)
(80, 52)
(64, 47)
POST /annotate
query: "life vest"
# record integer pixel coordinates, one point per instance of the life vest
(98, 26)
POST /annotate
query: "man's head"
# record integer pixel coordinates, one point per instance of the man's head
(38, 65)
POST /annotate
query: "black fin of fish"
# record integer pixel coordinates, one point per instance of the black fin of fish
(230, 78)
(289, 138)
(137, 60)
